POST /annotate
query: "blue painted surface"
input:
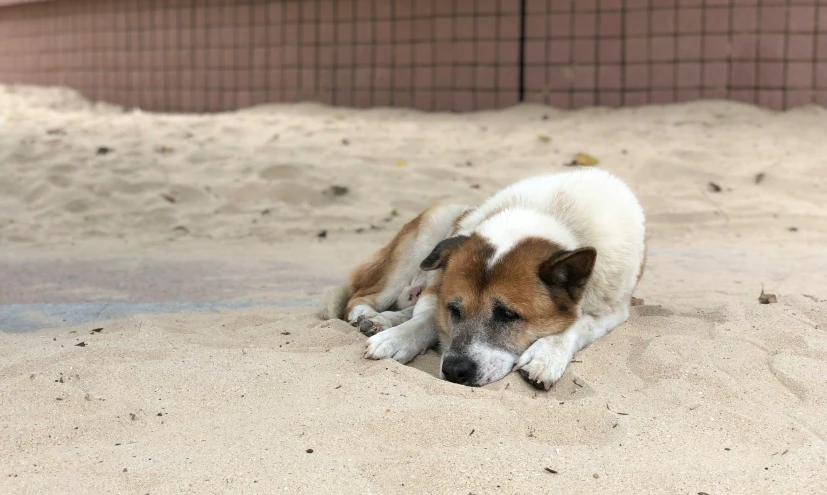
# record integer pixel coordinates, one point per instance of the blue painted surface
(30, 317)
(18, 318)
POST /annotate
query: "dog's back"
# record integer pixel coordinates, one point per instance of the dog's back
(594, 208)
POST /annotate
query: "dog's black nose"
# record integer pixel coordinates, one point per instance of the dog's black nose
(459, 369)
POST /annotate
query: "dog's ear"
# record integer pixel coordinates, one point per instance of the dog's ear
(439, 256)
(569, 271)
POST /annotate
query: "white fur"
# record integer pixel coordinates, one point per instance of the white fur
(505, 230)
(581, 208)
(494, 363)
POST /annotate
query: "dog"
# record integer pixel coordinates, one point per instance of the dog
(523, 282)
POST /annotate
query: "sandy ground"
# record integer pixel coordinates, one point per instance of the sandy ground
(703, 390)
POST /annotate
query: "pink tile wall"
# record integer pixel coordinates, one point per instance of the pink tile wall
(457, 55)
(632, 52)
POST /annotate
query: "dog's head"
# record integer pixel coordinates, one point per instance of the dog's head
(493, 303)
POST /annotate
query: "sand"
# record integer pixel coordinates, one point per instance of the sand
(702, 390)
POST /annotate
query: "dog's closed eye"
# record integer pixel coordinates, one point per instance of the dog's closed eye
(455, 310)
(502, 314)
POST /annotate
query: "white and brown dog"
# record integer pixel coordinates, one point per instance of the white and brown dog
(539, 271)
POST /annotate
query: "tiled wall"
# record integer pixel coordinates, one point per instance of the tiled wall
(210, 55)
(616, 52)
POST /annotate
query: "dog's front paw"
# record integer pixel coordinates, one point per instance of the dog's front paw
(391, 344)
(544, 363)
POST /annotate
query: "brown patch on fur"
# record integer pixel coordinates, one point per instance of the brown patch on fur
(459, 219)
(513, 280)
(434, 288)
(368, 280)
(463, 275)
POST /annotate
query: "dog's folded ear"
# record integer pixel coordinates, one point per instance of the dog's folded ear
(569, 270)
(439, 256)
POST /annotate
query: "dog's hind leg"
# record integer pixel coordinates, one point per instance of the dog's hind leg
(384, 320)
(391, 275)
(377, 283)
(408, 340)
(362, 309)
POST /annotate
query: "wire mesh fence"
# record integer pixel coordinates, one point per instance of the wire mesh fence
(446, 55)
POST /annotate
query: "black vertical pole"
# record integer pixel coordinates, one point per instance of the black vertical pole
(522, 50)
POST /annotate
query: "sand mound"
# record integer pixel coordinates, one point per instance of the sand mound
(266, 173)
